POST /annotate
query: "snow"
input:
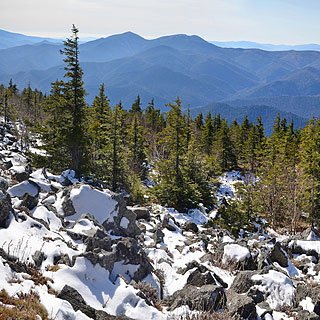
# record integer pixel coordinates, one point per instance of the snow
(85, 227)
(307, 245)
(279, 287)
(227, 239)
(97, 203)
(124, 223)
(227, 185)
(307, 304)
(235, 252)
(20, 189)
(41, 212)
(93, 283)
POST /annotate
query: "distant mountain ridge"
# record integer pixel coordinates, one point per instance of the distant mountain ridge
(11, 39)
(197, 71)
(266, 46)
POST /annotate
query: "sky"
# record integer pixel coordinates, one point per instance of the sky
(264, 21)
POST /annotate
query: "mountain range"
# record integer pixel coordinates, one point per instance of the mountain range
(266, 46)
(199, 72)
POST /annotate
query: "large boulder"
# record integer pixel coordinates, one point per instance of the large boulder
(241, 306)
(199, 279)
(5, 208)
(206, 298)
(126, 250)
(140, 212)
(78, 303)
(243, 282)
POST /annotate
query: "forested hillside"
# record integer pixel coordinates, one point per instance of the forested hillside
(170, 157)
(114, 212)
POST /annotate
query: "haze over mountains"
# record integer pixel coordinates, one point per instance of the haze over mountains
(197, 71)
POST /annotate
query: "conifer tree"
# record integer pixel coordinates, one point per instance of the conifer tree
(74, 93)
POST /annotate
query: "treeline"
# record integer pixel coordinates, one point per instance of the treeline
(180, 157)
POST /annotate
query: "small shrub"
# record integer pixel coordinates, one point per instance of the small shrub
(24, 307)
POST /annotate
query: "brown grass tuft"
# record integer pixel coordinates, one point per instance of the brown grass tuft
(24, 307)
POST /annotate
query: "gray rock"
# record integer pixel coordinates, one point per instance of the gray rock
(198, 279)
(206, 298)
(129, 228)
(3, 184)
(101, 241)
(140, 212)
(166, 223)
(29, 201)
(38, 257)
(7, 165)
(296, 249)
(278, 255)
(158, 235)
(5, 208)
(21, 176)
(191, 226)
(241, 306)
(62, 259)
(125, 249)
(67, 204)
(303, 291)
(306, 315)
(243, 282)
(76, 300)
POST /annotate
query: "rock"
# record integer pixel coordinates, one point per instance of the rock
(21, 176)
(100, 241)
(140, 212)
(297, 249)
(78, 303)
(5, 208)
(206, 298)
(243, 282)
(3, 184)
(129, 250)
(67, 205)
(191, 226)
(38, 257)
(166, 223)
(199, 279)
(29, 201)
(158, 235)
(7, 165)
(303, 290)
(306, 315)
(62, 259)
(125, 223)
(125, 249)
(278, 255)
(241, 306)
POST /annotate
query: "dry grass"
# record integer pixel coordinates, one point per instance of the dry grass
(148, 293)
(37, 277)
(208, 316)
(53, 268)
(24, 307)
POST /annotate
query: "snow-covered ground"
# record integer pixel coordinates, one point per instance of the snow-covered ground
(84, 237)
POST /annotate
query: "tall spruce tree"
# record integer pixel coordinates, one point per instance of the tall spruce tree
(74, 93)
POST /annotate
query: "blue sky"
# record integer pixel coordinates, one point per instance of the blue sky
(267, 21)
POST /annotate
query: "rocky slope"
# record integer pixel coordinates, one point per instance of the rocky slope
(89, 256)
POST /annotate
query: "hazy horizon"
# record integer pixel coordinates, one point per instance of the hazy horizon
(288, 22)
